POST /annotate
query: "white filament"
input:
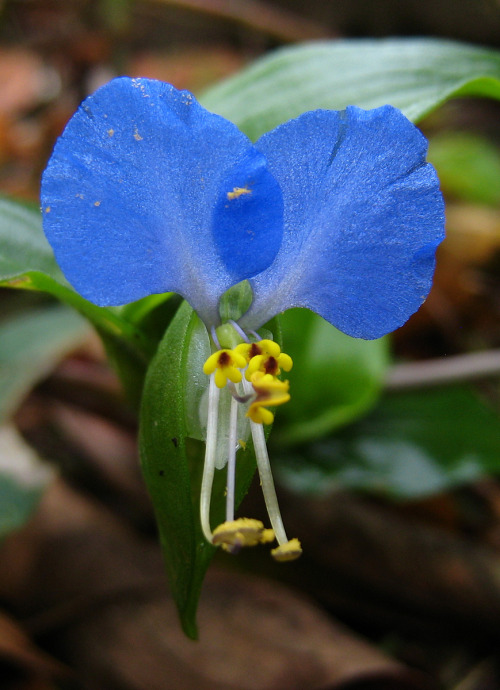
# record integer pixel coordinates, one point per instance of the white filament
(210, 452)
(266, 477)
(231, 461)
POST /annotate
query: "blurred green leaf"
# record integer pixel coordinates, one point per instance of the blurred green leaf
(410, 446)
(23, 479)
(152, 314)
(31, 343)
(415, 75)
(23, 246)
(116, 14)
(468, 166)
(335, 378)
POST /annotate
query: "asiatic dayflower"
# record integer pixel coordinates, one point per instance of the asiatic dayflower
(337, 211)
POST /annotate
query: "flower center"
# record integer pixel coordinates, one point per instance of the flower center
(249, 371)
(224, 359)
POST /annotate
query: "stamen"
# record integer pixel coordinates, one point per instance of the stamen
(270, 393)
(283, 552)
(226, 364)
(287, 552)
(235, 534)
(210, 451)
(268, 361)
(266, 478)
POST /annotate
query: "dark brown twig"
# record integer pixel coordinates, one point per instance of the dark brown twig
(281, 24)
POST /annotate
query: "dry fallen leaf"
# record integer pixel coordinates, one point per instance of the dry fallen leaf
(97, 591)
(18, 652)
(413, 567)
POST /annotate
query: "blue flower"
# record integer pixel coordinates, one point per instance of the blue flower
(147, 192)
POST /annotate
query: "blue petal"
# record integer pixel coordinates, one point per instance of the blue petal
(129, 197)
(363, 218)
(248, 218)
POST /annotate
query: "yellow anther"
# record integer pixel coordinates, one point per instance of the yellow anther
(265, 356)
(285, 362)
(270, 393)
(267, 536)
(262, 347)
(267, 364)
(260, 415)
(263, 360)
(258, 363)
(237, 192)
(288, 551)
(236, 534)
(269, 347)
(227, 365)
(244, 350)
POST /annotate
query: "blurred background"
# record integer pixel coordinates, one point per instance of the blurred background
(399, 585)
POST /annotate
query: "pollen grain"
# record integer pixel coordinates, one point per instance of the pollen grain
(237, 192)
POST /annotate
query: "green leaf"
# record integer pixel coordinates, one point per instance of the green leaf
(23, 479)
(23, 246)
(334, 380)
(31, 343)
(172, 462)
(27, 262)
(468, 166)
(410, 446)
(162, 438)
(415, 75)
(152, 314)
